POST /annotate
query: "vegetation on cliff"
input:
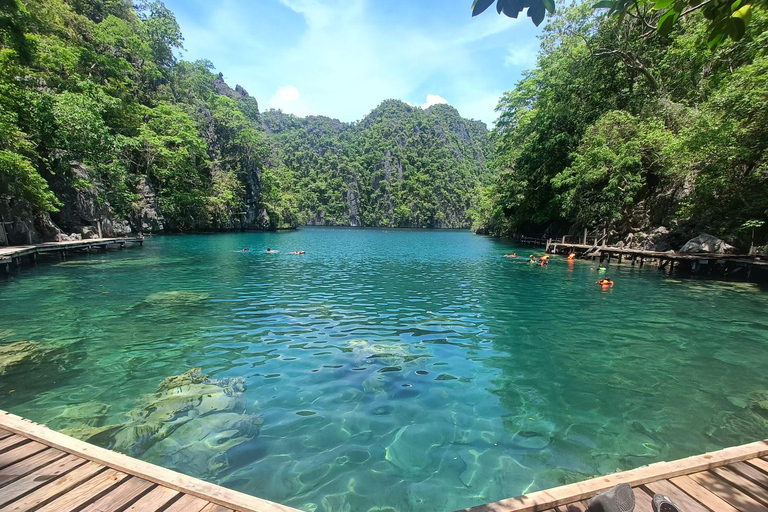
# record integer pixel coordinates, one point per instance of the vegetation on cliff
(399, 166)
(619, 129)
(100, 122)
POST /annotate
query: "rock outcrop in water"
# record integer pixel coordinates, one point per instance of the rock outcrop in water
(188, 418)
(21, 352)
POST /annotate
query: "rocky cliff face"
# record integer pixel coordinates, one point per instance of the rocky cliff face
(399, 166)
(86, 212)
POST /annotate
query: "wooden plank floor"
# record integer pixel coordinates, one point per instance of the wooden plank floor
(45, 471)
(730, 480)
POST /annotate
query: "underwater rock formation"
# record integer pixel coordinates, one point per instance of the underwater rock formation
(191, 421)
(21, 352)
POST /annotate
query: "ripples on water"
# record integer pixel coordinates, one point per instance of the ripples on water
(399, 370)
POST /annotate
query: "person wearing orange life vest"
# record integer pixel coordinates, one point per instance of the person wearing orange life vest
(605, 282)
(572, 256)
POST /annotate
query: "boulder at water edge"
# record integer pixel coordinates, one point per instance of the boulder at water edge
(705, 243)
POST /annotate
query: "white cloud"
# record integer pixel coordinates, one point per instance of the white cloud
(522, 56)
(434, 99)
(346, 56)
(288, 99)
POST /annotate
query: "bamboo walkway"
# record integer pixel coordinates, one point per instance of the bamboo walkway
(46, 471)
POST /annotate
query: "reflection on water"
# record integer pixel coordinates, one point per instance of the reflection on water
(382, 370)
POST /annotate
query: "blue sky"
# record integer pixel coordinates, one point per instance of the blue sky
(341, 58)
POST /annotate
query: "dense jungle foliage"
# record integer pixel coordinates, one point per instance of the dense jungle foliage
(623, 129)
(400, 166)
(96, 108)
(93, 101)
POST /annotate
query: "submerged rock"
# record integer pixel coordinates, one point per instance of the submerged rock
(21, 352)
(191, 446)
(178, 400)
(191, 421)
(177, 298)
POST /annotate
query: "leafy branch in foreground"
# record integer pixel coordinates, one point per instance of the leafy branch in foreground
(727, 19)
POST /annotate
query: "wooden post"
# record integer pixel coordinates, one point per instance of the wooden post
(641, 261)
(33, 257)
(63, 254)
(3, 234)
(585, 236)
(620, 255)
(563, 238)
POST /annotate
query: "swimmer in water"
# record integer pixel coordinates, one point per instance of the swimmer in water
(513, 255)
(245, 249)
(572, 256)
(297, 252)
(606, 282)
(271, 251)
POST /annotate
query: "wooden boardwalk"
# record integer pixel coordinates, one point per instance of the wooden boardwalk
(12, 255)
(695, 263)
(730, 480)
(45, 471)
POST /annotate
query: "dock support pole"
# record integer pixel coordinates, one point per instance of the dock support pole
(620, 258)
(641, 262)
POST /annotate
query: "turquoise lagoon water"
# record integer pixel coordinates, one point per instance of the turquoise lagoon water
(392, 370)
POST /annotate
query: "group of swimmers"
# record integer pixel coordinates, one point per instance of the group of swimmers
(605, 282)
(274, 251)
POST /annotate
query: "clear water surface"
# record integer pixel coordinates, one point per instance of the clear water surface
(395, 370)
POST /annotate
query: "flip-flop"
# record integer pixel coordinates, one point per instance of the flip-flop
(617, 499)
(662, 503)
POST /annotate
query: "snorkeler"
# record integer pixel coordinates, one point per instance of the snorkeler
(513, 255)
(246, 249)
(544, 260)
(605, 282)
(297, 252)
(271, 251)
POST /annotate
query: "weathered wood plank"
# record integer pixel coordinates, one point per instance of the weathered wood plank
(188, 503)
(702, 494)
(643, 501)
(745, 485)
(216, 508)
(85, 492)
(542, 500)
(12, 442)
(759, 464)
(750, 472)
(54, 489)
(166, 477)
(26, 466)
(19, 453)
(154, 499)
(4, 434)
(680, 497)
(129, 491)
(39, 478)
(727, 492)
